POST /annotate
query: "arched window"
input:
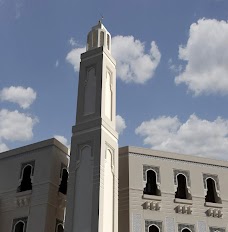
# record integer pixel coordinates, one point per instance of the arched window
(64, 180)
(19, 227)
(151, 185)
(211, 192)
(182, 191)
(26, 182)
(153, 228)
(186, 230)
(59, 228)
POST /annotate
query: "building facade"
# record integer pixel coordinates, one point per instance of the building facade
(162, 191)
(109, 189)
(33, 185)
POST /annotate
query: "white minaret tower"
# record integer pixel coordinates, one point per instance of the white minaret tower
(92, 199)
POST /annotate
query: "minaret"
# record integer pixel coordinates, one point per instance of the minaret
(92, 199)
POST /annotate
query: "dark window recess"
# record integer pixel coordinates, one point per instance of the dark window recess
(151, 185)
(182, 191)
(19, 227)
(60, 228)
(186, 230)
(153, 228)
(211, 192)
(26, 182)
(64, 180)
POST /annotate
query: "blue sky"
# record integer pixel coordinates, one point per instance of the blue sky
(172, 83)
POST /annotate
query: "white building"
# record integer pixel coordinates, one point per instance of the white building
(158, 191)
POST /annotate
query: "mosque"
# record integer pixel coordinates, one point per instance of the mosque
(100, 187)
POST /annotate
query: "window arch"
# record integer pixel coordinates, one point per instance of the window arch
(182, 190)
(26, 181)
(59, 228)
(151, 184)
(153, 228)
(211, 195)
(64, 181)
(186, 230)
(19, 227)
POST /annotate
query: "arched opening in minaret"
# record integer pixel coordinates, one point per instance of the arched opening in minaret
(151, 185)
(59, 228)
(108, 96)
(153, 228)
(64, 182)
(19, 227)
(101, 38)
(90, 92)
(212, 195)
(26, 182)
(182, 190)
(95, 38)
(108, 41)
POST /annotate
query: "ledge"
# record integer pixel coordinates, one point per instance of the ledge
(183, 201)
(213, 205)
(152, 197)
(24, 193)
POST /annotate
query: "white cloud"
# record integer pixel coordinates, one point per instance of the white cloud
(73, 42)
(57, 63)
(15, 126)
(133, 64)
(62, 139)
(20, 95)
(74, 57)
(206, 54)
(3, 147)
(195, 136)
(120, 124)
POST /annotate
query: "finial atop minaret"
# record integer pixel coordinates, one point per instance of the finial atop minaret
(99, 37)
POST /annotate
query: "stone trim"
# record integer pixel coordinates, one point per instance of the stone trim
(57, 223)
(16, 220)
(185, 173)
(148, 223)
(175, 160)
(23, 165)
(188, 226)
(216, 229)
(155, 169)
(212, 176)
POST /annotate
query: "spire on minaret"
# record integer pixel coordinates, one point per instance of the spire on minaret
(98, 37)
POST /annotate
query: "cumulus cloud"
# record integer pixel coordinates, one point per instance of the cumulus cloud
(15, 126)
(133, 63)
(195, 136)
(62, 140)
(74, 57)
(20, 95)
(120, 124)
(206, 54)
